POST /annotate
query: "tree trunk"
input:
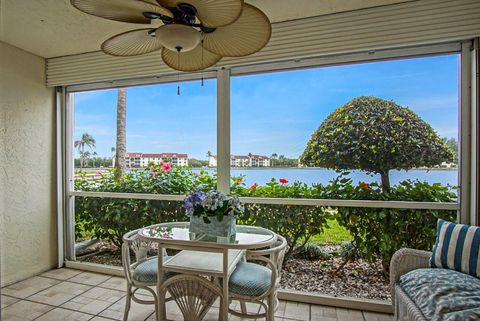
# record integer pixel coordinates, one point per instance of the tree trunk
(121, 145)
(385, 181)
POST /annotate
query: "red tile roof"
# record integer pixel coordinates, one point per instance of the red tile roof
(162, 155)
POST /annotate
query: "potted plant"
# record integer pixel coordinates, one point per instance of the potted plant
(213, 213)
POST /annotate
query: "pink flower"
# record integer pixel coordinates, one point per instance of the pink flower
(283, 181)
(166, 167)
(99, 172)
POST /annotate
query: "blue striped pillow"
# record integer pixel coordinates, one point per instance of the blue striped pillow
(457, 248)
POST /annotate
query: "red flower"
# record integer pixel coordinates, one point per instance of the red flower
(364, 185)
(254, 187)
(283, 181)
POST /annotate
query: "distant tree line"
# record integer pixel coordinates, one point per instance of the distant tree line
(93, 162)
(452, 143)
(197, 163)
(282, 161)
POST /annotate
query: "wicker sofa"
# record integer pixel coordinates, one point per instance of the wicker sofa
(421, 293)
(404, 261)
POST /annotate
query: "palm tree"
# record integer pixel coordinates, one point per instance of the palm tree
(121, 148)
(85, 156)
(209, 154)
(94, 154)
(273, 157)
(86, 140)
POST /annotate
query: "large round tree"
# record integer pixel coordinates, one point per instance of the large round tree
(376, 136)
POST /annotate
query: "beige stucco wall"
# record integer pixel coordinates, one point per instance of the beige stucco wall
(27, 166)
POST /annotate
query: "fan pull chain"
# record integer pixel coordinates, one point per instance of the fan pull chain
(178, 72)
(202, 63)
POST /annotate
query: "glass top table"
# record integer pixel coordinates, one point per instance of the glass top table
(178, 233)
(202, 254)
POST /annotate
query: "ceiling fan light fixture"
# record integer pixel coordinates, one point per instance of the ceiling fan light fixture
(175, 36)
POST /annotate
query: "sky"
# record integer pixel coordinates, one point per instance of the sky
(270, 113)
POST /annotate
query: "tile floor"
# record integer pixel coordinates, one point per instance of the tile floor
(72, 295)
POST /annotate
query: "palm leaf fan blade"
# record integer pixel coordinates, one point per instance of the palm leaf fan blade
(120, 10)
(247, 35)
(131, 43)
(193, 60)
(212, 13)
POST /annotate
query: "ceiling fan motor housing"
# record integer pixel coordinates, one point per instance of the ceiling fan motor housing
(178, 37)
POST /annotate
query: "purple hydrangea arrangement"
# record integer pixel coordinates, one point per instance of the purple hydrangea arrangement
(212, 204)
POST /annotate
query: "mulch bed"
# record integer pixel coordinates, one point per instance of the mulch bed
(356, 279)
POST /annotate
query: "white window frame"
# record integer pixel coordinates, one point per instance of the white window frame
(66, 210)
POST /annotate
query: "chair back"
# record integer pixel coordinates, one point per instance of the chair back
(273, 256)
(193, 294)
(133, 243)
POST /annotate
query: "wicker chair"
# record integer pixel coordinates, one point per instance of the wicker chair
(193, 294)
(251, 282)
(141, 274)
(404, 261)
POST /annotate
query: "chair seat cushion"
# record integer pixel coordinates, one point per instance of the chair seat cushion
(146, 272)
(443, 294)
(250, 279)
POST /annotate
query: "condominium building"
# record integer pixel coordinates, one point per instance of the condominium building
(142, 160)
(243, 161)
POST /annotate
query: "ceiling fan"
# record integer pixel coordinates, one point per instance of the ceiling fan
(194, 34)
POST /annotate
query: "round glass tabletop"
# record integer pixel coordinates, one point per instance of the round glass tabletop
(179, 233)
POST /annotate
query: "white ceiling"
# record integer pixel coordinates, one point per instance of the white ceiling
(53, 28)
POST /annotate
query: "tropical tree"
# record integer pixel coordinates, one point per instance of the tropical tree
(94, 155)
(452, 143)
(85, 156)
(86, 140)
(376, 136)
(121, 144)
(273, 157)
(209, 154)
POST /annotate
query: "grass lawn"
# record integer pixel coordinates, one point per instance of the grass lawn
(333, 234)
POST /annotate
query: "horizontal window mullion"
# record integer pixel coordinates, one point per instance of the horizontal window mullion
(287, 201)
(140, 196)
(353, 203)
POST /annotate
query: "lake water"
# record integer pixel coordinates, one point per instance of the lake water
(321, 175)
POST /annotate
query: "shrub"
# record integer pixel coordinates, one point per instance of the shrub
(312, 251)
(349, 252)
(379, 232)
(296, 223)
(109, 218)
(376, 232)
